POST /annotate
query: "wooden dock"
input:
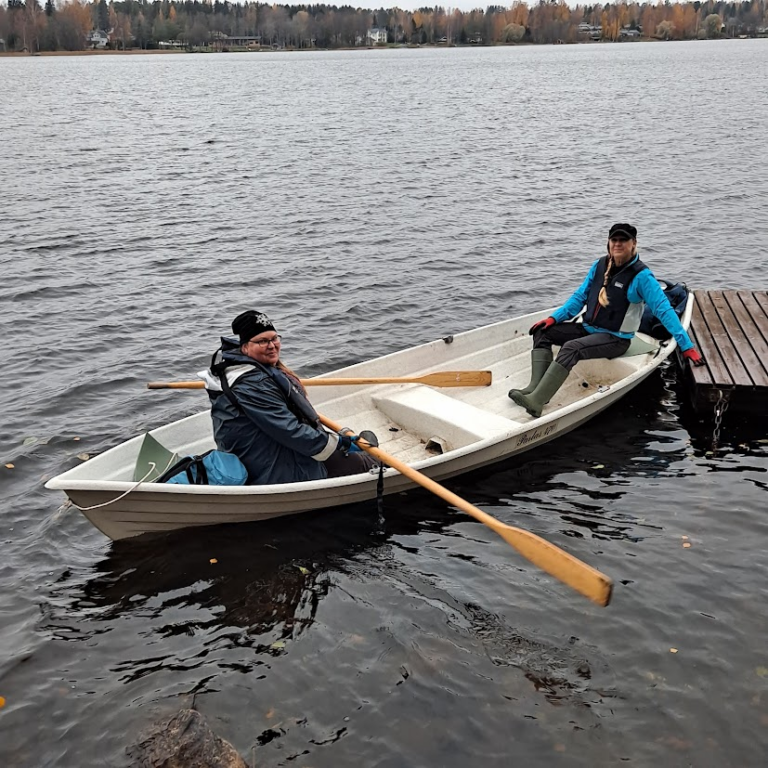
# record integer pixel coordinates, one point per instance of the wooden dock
(730, 329)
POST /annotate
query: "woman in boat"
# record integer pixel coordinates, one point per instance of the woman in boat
(261, 413)
(615, 293)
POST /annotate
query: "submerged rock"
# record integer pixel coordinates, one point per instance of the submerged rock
(184, 741)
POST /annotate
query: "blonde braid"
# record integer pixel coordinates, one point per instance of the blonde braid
(602, 297)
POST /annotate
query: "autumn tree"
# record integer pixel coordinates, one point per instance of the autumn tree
(301, 29)
(33, 21)
(74, 22)
(102, 16)
(665, 30)
(513, 33)
(713, 25)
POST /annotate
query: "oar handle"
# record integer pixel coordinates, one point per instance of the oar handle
(176, 385)
(436, 379)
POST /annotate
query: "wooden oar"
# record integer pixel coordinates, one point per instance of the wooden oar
(555, 561)
(438, 379)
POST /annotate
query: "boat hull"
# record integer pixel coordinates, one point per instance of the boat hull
(441, 435)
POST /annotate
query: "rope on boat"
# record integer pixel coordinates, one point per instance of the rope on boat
(152, 468)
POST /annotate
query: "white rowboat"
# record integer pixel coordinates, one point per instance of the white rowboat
(439, 432)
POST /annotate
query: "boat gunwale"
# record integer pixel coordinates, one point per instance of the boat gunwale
(63, 483)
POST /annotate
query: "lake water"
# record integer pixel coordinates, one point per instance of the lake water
(368, 201)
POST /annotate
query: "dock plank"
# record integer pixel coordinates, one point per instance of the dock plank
(753, 346)
(761, 298)
(759, 314)
(715, 369)
(725, 343)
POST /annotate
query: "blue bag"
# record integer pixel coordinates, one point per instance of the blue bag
(677, 295)
(211, 468)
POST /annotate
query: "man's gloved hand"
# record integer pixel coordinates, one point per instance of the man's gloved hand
(692, 355)
(348, 442)
(542, 325)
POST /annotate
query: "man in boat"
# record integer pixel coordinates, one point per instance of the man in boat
(614, 293)
(261, 413)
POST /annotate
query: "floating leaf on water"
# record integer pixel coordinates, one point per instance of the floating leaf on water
(761, 440)
(10, 466)
(29, 441)
(75, 439)
(686, 545)
(762, 671)
(2, 702)
(599, 466)
(304, 570)
(673, 650)
(278, 645)
(83, 456)
(684, 538)
(213, 561)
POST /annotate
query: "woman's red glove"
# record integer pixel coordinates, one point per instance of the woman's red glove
(542, 325)
(692, 355)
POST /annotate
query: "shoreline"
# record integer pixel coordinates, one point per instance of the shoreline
(179, 51)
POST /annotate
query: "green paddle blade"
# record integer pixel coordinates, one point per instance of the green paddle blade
(152, 453)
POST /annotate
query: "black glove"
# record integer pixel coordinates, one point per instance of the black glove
(348, 443)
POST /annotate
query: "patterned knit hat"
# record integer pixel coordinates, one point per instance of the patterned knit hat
(251, 323)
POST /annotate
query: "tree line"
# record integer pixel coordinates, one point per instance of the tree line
(72, 25)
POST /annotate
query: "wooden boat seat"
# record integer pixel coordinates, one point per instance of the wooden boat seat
(441, 420)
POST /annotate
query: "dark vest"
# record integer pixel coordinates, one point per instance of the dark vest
(295, 399)
(614, 316)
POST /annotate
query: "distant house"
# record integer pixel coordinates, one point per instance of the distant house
(220, 40)
(97, 38)
(2, 45)
(376, 35)
(590, 30)
(245, 41)
(629, 33)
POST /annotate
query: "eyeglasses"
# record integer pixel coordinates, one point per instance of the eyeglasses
(619, 239)
(264, 343)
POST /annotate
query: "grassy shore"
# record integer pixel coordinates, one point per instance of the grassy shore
(173, 51)
(104, 52)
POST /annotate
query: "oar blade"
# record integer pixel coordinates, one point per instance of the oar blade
(556, 562)
(563, 566)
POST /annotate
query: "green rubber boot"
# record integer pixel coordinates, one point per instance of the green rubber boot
(552, 380)
(540, 360)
